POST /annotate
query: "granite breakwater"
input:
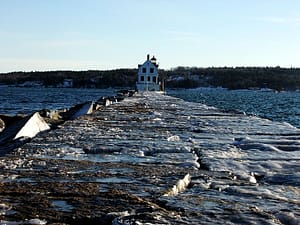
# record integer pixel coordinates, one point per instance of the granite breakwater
(155, 159)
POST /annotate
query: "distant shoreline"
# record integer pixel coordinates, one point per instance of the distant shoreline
(275, 78)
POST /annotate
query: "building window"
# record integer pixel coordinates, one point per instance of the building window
(154, 79)
(144, 70)
(142, 78)
(149, 78)
(151, 70)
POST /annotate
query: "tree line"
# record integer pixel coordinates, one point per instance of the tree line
(81, 79)
(180, 77)
(276, 78)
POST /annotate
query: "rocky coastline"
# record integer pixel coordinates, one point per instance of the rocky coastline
(148, 159)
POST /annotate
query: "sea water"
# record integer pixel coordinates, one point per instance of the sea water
(26, 100)
(278, 106)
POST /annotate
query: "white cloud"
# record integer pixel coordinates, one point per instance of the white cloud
(65, 40)
(69, 43)
(17, 64)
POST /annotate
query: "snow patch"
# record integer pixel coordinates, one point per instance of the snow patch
(33, 126)
(174, 138)
(180, 186)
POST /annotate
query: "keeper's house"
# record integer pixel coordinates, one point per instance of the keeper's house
(148, 76)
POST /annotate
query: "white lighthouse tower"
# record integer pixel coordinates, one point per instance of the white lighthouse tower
(148, 76)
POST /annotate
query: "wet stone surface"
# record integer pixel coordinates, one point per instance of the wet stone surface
(158, 160)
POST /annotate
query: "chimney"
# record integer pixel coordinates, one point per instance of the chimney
(148, 57)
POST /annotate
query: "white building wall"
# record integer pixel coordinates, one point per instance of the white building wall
(148, 77)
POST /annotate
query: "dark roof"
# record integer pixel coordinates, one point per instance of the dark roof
(153, 59)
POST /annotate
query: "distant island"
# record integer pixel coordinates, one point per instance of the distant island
(276, 78)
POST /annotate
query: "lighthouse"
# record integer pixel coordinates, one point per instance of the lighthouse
(148, 75)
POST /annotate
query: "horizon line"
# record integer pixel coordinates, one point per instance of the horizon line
(170, 69)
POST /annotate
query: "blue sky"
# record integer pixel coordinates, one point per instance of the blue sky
(41, 35)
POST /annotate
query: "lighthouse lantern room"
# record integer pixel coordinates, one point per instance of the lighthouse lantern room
(148, 76)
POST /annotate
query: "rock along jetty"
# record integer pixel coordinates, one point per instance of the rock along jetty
(154, 159)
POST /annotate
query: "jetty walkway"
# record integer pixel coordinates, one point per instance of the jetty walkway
(155, 159)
